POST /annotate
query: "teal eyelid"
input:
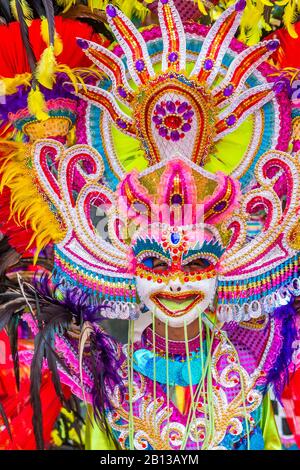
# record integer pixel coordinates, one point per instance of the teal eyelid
(207, 250)
(151, 247)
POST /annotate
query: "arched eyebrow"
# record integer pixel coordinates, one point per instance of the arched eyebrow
(211, 249)
(150, 246)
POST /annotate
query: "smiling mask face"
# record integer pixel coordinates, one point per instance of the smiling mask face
(176, 274)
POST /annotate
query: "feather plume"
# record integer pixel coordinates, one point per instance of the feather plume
(290, 17)
(201, 7)
(66, 4)
(8, 256)
(5, 420)
(26, 10)
(5, 10)
(58, 45)
(45, 70)
(82, 11)
(49, 10)
(12, 329)
(26, 203)
(36, 104)
(25, 36)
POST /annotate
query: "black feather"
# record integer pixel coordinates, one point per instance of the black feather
(50, 319)
(35, 386)
(5, 10)
(49, 10)
(5, 420)
(8, 256)
(25, 37)
(38, 7)
(12, 329)
(8, 309)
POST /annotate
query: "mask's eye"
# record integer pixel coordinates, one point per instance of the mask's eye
(195, 265)
(156, 264)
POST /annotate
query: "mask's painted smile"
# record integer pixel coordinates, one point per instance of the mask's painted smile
(176, 273)
(176, 305)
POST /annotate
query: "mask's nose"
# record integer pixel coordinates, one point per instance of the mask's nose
(175, 287)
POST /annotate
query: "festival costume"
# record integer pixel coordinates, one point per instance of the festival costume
(182, 151)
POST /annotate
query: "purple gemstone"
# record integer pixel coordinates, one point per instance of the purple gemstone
(188, 115)
(228, 90)
(231, 120)
(186, 127)
(240, 5)
(121, 123)
(208, 64)
(182, 107)
(175, 136)
(273, 45)
(111, 11)
(82, 43)
(220, 206)
(176, 199)
(157, 119)
(160, 110)
(170, 105)
(164, 2)
(173, 57)
(140, 65)
(122, 92)
(163, 132)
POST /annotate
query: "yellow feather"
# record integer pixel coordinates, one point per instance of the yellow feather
(58, 45)
(202, 7)
(9, 85)
(66, 4)
(45, 71)
(27, 11)
(289, 18)
(45, 30)
(267, 3)
(26, 204)
(36, 104)
(282, 3)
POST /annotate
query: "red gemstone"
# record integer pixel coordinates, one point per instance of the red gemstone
(173, 122)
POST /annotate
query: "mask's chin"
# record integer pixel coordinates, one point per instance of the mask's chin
(177, 308)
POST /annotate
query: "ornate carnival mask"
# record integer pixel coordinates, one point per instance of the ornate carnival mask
(177, 246)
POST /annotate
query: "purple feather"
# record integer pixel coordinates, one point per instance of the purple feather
(278, 376)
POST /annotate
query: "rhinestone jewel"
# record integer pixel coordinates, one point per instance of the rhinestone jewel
(176, 199)
(111, 11)
(173, 57)
(228, 90)
(173, 122)
(175, 238)
(140, 65)
(122, 92)
(121, 123)
(230, 121)
(220, 206)
(208, 64)
(175, 136)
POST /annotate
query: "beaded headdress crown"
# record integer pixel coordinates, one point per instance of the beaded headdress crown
(178, 106)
